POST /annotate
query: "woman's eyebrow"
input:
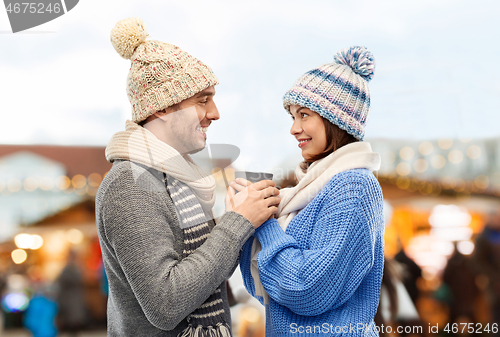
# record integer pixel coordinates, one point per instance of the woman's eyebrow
(299, 109)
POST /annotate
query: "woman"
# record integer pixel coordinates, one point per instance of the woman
(318, 266)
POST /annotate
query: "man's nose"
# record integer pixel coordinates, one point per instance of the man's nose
(213, 112)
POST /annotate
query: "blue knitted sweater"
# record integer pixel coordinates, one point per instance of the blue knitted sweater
(323, 274)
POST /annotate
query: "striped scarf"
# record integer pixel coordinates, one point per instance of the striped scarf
(208, 319)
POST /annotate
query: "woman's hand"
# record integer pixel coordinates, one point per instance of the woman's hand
(256, 202)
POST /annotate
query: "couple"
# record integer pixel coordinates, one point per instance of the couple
(313, 254)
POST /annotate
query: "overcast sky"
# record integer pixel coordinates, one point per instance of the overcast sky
(436, 74)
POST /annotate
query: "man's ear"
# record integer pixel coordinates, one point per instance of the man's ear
(166, 111)
(160, 113)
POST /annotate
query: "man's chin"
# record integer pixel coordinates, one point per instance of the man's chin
(196, 148)
(195, 151)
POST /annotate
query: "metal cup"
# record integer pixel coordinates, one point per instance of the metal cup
(253, 177)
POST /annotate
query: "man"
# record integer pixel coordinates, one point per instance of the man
(166, 259)
(486, 259)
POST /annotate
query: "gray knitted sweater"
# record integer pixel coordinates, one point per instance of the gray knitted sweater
(151, 289)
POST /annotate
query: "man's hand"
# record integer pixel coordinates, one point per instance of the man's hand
(256, 202)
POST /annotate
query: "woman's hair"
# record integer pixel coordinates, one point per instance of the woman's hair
(335, 139)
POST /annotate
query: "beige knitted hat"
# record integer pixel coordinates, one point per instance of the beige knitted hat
(161, 74)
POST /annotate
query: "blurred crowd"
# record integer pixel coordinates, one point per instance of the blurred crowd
(46, 309)
(464, 300)
(467, 294)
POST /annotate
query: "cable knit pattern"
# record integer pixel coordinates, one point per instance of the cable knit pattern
(160, 74)
(323, 274)
(152, 286)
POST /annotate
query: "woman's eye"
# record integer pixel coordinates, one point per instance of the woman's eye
(303, 114)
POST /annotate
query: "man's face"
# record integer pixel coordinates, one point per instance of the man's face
(185, 125)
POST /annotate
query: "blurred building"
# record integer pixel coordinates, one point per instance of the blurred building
(440, 192)
(47, 210)
(37, 181)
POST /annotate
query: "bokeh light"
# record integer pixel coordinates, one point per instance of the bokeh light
(37, 242)
(30, 184)
(46, 183)
(23, 241)
(79, 181)
(482, 182)
(406, 153)
(14, 185)
(445, 144)
(74, 236)
(19, 256)
(473, 152)
(94, 179)
(15, 302)
(426, 148)
(403, 169)
(63, 183)
(420, 165)
(465, 247)
(455, 157)
(438, 161)
(449, 216)
(28, 241)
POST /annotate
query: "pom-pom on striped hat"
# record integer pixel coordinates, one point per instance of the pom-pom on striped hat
(338, 91)
(161, 74)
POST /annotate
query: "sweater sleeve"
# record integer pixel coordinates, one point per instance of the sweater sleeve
(245, 265)
(167, 287)
(312, 279)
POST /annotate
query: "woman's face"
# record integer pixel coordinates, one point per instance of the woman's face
(309, 130)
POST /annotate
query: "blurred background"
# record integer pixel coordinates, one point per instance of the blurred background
(434, 119)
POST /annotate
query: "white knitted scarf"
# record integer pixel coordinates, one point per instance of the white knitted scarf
(293, 200)
(140, 145)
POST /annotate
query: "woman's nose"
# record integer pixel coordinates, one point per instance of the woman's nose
(296, 127)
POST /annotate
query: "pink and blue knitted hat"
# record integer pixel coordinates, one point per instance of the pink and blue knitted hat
(338, 91)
